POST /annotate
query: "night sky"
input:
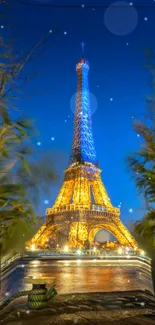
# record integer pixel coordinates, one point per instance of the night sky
(115, 40)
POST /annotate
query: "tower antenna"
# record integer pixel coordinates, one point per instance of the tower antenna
(83, 44)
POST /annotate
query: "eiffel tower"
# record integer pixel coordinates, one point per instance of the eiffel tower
(82, 207)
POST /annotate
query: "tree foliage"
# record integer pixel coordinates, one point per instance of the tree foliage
(23, 175)
(142, 166)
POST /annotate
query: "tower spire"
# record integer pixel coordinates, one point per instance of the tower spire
(82, 44)
(83, 149)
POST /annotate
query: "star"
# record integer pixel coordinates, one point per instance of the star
(52, 138)
(94, 9)
(2, 26)
(111, 99)
(131, 3)
(65, 121)
(68, 116)
(143, 304)
(130, 210)
(127, 43)
(46, 201)
(65, 33)
(50, 31)
(119, 206)
(145, 18)
(38, 143)
(98, 86)
(132, 117)
(138, 135)
(83, 6)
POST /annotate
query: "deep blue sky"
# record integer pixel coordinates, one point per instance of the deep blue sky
(116, 72)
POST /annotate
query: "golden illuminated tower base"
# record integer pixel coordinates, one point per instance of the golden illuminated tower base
(82, 208)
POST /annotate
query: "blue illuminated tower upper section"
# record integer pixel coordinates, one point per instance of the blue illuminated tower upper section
(83, 149)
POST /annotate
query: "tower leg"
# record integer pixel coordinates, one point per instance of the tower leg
(78, 234)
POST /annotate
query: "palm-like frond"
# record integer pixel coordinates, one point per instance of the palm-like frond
(141, 164)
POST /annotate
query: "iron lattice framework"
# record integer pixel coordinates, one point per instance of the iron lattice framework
(82, 206)
(83, 149)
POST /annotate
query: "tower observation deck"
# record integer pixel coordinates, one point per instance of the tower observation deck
(82, 206)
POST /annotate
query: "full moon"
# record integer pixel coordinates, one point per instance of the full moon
(120, 18)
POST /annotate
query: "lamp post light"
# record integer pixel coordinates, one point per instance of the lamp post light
(94, 249)
(120, 251)
(33, 247)
(66, 249)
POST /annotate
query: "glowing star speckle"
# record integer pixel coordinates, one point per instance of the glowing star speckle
(38, 143)
(65, 33)
(142, 304)
(130, 210)
(98, 86)
(52, 138)
(138, 135)
(131, 3)
(111, 99)
(50, 31)
(127, 43)
(7, 294)
(46, 201)
(132, 117)
(65, 121)
(68, 116)
(28, 312)
(93, 9)
(2, 26)
(146, 18)
(83, 6)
